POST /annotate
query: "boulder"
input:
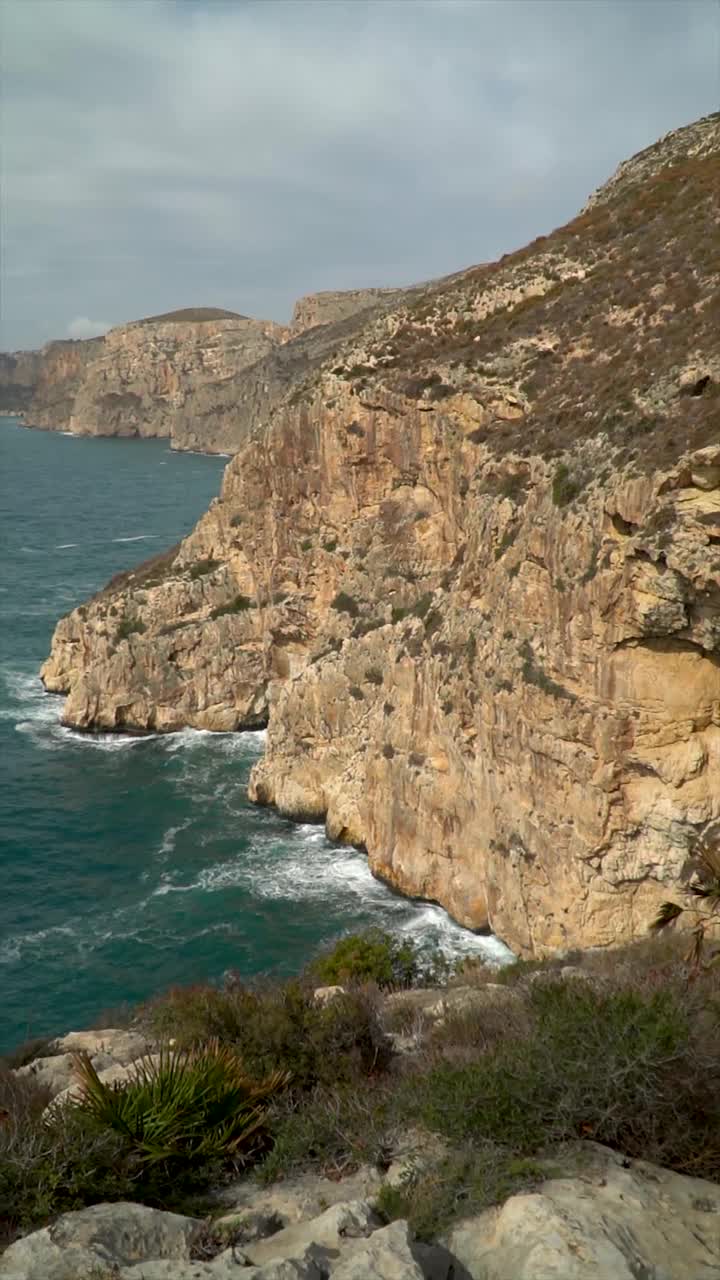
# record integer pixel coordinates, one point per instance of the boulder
(92, 1243)
(226, 1266)
(387, 1255)
(327, 1233)
(611, 1219)
(106, 1049)
(303, 1196)
(325, 995)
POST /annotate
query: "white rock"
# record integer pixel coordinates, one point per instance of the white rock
(107, 1048)
(607, 1222)
(386, 1255)
(225, 1267)
(87, 1245)
(341, 1222)
(120, 1045)
(325, 995)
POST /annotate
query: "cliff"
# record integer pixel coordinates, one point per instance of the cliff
(19, 372)
(327, 308)
(136, 380)
(62, 369)
(467, 568)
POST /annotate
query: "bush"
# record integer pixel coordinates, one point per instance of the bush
(278, 1029)
(372, 956)
(185, 1106)
(202, 567)
(346, 604)
(623, 1068)
(128, 627)
(52, 1165)
(564, 488)
(239, 604)
(458, 1184)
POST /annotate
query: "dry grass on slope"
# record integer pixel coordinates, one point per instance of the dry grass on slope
(596, 328)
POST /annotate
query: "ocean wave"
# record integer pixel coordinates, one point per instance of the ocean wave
(65, 546)
(136, 537)
(14, 948)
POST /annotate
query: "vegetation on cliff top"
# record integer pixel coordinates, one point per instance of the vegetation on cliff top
(622, 1048)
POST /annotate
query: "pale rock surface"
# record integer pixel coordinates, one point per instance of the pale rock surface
(604, 1222)
(327, 1233)
(295, 1199)
(110, 1050)
(325, 995)
(387, 1255)
(91, 1242)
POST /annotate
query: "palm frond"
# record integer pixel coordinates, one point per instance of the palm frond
(667, 913)
(193, 1104)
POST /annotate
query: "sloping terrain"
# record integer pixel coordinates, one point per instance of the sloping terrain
(467, 567)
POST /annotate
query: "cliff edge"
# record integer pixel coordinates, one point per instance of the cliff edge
(467, 569)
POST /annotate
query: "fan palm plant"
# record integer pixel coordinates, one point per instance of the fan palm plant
(706, 890)
(196, 1105)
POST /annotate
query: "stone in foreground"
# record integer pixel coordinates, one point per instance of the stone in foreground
(613, 1220)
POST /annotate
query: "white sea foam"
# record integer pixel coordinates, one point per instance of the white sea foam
(65, 546)
(13, 948)
(136, 537)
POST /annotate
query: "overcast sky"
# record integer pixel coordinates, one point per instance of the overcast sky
(238, 153)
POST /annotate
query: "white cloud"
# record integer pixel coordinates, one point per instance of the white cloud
(159, 154)
(83, 327)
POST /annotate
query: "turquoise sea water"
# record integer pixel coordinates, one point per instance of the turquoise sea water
(130, 864)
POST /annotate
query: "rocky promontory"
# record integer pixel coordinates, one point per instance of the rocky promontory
(466, 566)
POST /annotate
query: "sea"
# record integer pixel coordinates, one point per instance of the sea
(133, 864)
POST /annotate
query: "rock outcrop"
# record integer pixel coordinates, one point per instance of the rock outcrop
(467, 569)
(606, 1219)
(137, 380)
(599, 1217)
(19, 372)
(329, 307)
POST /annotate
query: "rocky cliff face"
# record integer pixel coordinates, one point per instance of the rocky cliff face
(137, 379)
(19, 372)
(327, 308)
(63, 367)
(467, 567)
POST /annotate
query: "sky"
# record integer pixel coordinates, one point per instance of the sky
(157, 154)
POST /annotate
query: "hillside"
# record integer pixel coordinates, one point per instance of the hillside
(466, 568)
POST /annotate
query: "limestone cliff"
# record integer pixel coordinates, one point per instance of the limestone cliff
(329, 307)
(468, 570)
(19, 371)
(136, 380)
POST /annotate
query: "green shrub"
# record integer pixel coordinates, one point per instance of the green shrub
(238, 604)
(335, 1130)
(346, 604)
(52, 1165)
(460, 1183)
(201, 567)
(621, 1067)
(279, 1028)
(564, 487)
(128, 627)
(184, 1106)
(372, 956)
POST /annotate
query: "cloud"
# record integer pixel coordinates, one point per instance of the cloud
(160, 154)
(83, 327)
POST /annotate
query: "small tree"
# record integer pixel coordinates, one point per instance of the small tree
(706, 889)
